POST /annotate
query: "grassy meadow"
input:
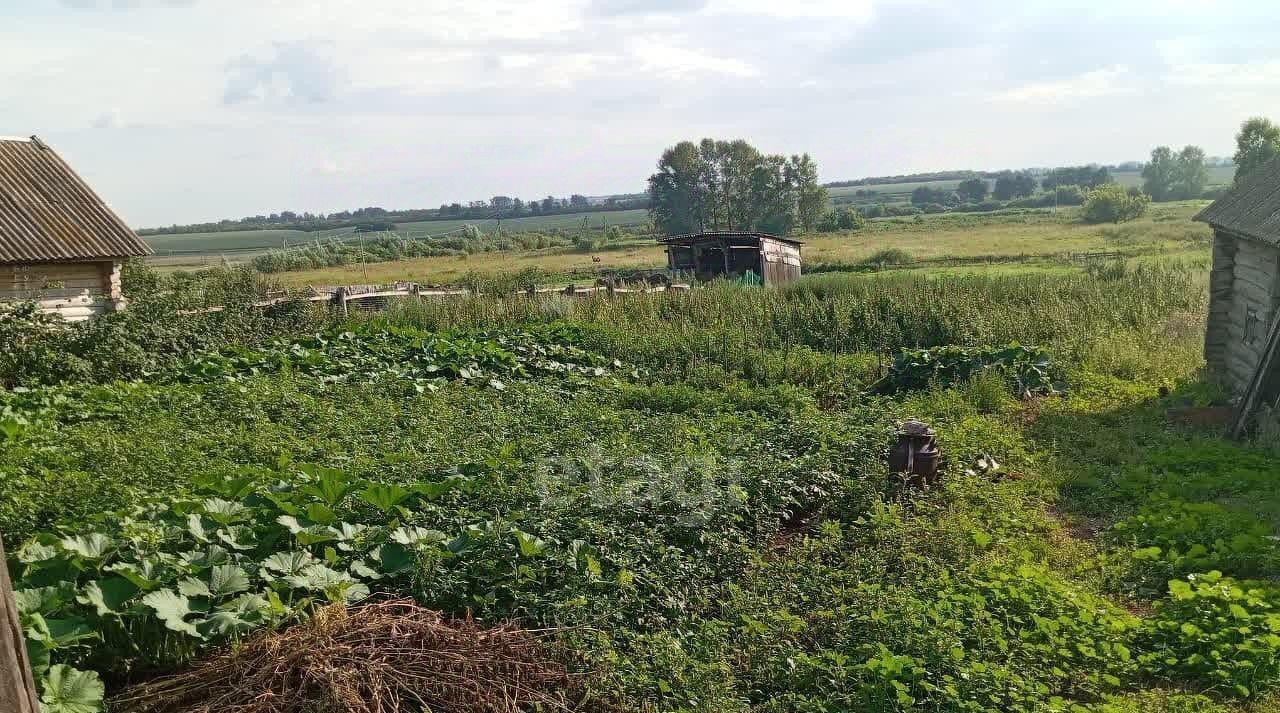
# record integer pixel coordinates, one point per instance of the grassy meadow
(1037, 239)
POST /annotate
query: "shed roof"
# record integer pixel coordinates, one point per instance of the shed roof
(1251, 208)
(715, 235)
(48, 213)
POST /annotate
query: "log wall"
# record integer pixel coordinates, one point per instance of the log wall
(1244, 289)
(76, 290)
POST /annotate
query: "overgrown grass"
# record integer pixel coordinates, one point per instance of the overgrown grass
(713, 523)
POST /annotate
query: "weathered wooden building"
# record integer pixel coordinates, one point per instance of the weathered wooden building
(1244, 304)
(774, 260)
(60, 244)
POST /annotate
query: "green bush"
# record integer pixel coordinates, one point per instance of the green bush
(842, 219)
(1111, 203)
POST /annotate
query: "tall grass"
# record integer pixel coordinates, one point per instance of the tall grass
(834, 323)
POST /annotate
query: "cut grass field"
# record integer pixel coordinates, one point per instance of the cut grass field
(1029, 236)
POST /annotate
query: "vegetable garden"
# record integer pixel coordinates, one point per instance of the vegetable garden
(685, 494)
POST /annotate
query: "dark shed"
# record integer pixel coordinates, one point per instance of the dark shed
(774, 260)
(1243, 330)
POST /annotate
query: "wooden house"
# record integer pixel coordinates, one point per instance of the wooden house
(60, 245)
(1243, 329)
(773, 260)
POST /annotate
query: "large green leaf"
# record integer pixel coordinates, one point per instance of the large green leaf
(91, 547)
(227, 579)
(238, 537)
(288, 563)
(332, 486)
(224, 512)
(192, 587)
(197, 528)
(530, 545)
(68, 690)
(416, 536)
(107, 596)
(393, 558)
(172, 609)
(384, 497)
(145, 575)
(43, 600)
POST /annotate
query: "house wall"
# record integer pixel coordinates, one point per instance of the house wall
(1245, 289)
(76, 290)
(1221, 281)
(781, 262)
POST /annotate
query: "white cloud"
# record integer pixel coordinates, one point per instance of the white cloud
(1090, 85)
(1251, 75)
(656, 55)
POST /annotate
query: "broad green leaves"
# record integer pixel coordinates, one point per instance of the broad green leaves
(173, 609)
(93, 546)
(67, 690)
(242, 556)
(107, 596)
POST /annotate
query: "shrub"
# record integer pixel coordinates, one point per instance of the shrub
(842, 219)
(1069, 195)
(1111, 203)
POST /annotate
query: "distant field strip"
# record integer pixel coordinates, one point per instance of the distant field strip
(176, 244)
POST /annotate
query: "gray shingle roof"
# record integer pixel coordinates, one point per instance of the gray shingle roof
(1251, 208)
(711, 235)
(48, 213)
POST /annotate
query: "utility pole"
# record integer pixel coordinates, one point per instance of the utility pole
(17, 690)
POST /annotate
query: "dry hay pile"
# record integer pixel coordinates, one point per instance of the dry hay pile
(385, 657)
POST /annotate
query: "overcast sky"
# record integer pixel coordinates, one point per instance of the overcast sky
(192, 110)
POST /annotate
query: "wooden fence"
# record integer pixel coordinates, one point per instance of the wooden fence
(345, 297)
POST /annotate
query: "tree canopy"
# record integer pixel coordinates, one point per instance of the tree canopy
(1010, 184)
(1258, 140)
(1090, 176)
(1169, 176)
(972, 190)
(730, 185)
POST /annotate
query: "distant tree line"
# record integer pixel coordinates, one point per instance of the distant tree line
(730, 185)
(374, 218)
(908, 178)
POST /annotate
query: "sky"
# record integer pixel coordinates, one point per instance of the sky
(180, 111)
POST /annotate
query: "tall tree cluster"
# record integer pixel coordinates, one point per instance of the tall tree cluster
(1013, 184)
(1258, 141)
(1090, 176)
(730, 185)
(1170, 176)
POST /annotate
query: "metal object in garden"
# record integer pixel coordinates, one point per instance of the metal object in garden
(916, 454)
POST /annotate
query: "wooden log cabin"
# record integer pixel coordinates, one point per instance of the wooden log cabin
(61, 246)
(772, 259)
(1243, 328)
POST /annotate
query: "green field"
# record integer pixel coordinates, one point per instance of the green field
(1005, 238)
(684, 495)
(886, 192)
(188, 249)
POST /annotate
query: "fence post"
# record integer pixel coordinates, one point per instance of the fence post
(340, 296)
(17, 690)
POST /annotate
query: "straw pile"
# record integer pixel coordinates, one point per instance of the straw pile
(384, 657)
